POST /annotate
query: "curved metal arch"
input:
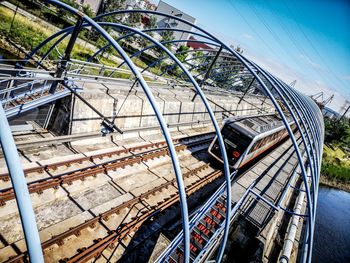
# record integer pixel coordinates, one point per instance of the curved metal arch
(193, 58)
(146, 30)
(217, 68)
(301, 165)
(213, 119)
(294, 116)
(311, 122)
(209, 109)
(165, 57)
(304, 114)
(290, 133)
(46, 41)
(307, 108)
(167, 42)
(66, 32)
(151, 30)
(316, 118)
(277, 107)
(189, 59)
(162, 123)
(19, 183)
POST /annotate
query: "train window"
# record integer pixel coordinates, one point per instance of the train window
(235, 143)
(274, 136)
(271, 137)
(280, 133)
(255, 146)
(252, 148)
(266, 140)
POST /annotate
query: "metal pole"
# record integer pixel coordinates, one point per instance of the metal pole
(246, 91)
(208, 71)
(62, 67)
(14, 15)
(25, 209)
(166, 133)
(211, 66)
(212, 117)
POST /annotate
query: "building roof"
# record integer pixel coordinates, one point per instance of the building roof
(197, 45)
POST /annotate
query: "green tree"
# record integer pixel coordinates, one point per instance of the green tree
(62, 13)
(152, 22)
(337, 131)
(167, 36)
(87, 10)
(184, 55)
(134, 19)
(111, 5)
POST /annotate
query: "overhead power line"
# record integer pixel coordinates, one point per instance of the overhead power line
(313, 46)
(299, 47)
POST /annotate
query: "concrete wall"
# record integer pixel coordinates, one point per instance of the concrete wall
(133, 109)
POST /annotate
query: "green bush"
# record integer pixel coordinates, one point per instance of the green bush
(335, 164)
(337, 172)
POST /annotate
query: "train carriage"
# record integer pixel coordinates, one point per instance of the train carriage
(245, 138)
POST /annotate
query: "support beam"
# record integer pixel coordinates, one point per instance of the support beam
(209, 69)
(63, 65)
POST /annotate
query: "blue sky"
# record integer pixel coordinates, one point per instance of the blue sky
(307, 41)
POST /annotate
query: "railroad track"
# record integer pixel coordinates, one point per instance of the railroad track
(96, 249)
(53, 166)
(159, 149)
(125, 228)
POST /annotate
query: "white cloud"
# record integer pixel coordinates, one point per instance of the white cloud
(248, 36)
(346, 77)
(288, 74)
(304, 83)
(310, 62)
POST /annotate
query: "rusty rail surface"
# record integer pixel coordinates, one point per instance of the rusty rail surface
(68, 178)
(68, 163)
(126, 228)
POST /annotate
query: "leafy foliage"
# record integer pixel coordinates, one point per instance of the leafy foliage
(167, 36)
(134, 19)
(111, 5)
(183, 54)
(337, 131)
(336, 162)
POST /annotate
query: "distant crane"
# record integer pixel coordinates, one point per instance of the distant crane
(322, 102)
(292, 84)
(346, 108)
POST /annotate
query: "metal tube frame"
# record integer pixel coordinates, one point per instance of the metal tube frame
(301, 108)
(19, 183)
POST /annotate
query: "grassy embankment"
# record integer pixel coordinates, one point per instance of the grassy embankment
(28, 34)
(335, 168)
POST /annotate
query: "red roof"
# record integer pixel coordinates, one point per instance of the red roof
(197, 45)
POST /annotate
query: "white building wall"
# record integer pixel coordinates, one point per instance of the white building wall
(172, 23)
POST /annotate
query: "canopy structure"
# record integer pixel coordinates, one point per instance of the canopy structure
(203, 64)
